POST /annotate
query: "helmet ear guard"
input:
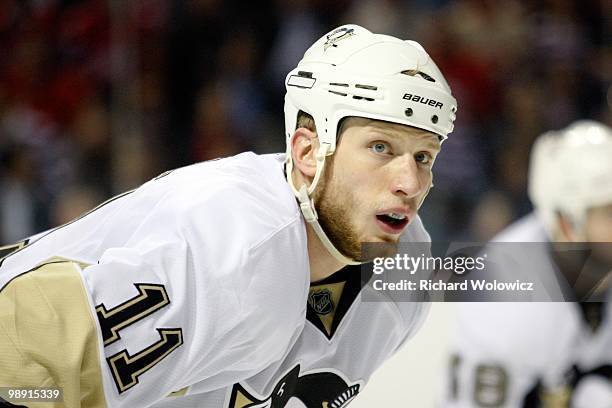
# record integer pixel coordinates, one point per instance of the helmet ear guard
(571, 171)
(353, 72)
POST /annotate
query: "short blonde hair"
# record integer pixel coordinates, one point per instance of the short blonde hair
(304, 120)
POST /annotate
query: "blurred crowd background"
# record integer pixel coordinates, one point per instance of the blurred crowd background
(98, 96)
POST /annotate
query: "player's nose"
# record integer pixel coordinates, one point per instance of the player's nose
(405, 179)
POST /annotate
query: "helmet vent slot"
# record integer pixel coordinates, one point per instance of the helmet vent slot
(338, 84)
(370, 87)
(337, 93)
(413, 72)
(426, 77)
(362, 97)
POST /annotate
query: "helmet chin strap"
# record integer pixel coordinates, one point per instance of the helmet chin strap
(576, 224)
(307, 204)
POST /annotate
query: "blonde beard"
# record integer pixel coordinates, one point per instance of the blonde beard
(333, 204)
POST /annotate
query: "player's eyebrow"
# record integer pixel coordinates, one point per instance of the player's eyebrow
(433, 145)
(429, 139)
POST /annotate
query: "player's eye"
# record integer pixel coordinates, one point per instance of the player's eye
(423, 158)
(380, 147)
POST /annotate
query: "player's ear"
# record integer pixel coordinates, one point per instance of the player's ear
(304, 145)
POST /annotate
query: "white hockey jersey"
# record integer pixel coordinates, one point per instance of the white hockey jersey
(192, 291)
(520, 354)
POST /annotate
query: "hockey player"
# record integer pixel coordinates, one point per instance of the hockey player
(552, 354)
(213, 285)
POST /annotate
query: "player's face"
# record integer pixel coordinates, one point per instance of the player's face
(374, 183)
(599, 224)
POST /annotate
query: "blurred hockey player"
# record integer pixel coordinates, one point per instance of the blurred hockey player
(217, 284)
(549, 354)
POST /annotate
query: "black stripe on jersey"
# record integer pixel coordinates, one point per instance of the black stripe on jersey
(351, 276)
(31, 270)
(164, 174)
(9, 249)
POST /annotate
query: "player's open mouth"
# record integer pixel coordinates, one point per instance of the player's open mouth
(392, 223)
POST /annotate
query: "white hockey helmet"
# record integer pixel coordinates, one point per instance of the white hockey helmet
(570, 172)
(353, 72)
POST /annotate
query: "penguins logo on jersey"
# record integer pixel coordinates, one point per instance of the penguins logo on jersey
(321, 301)
(322, 389)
